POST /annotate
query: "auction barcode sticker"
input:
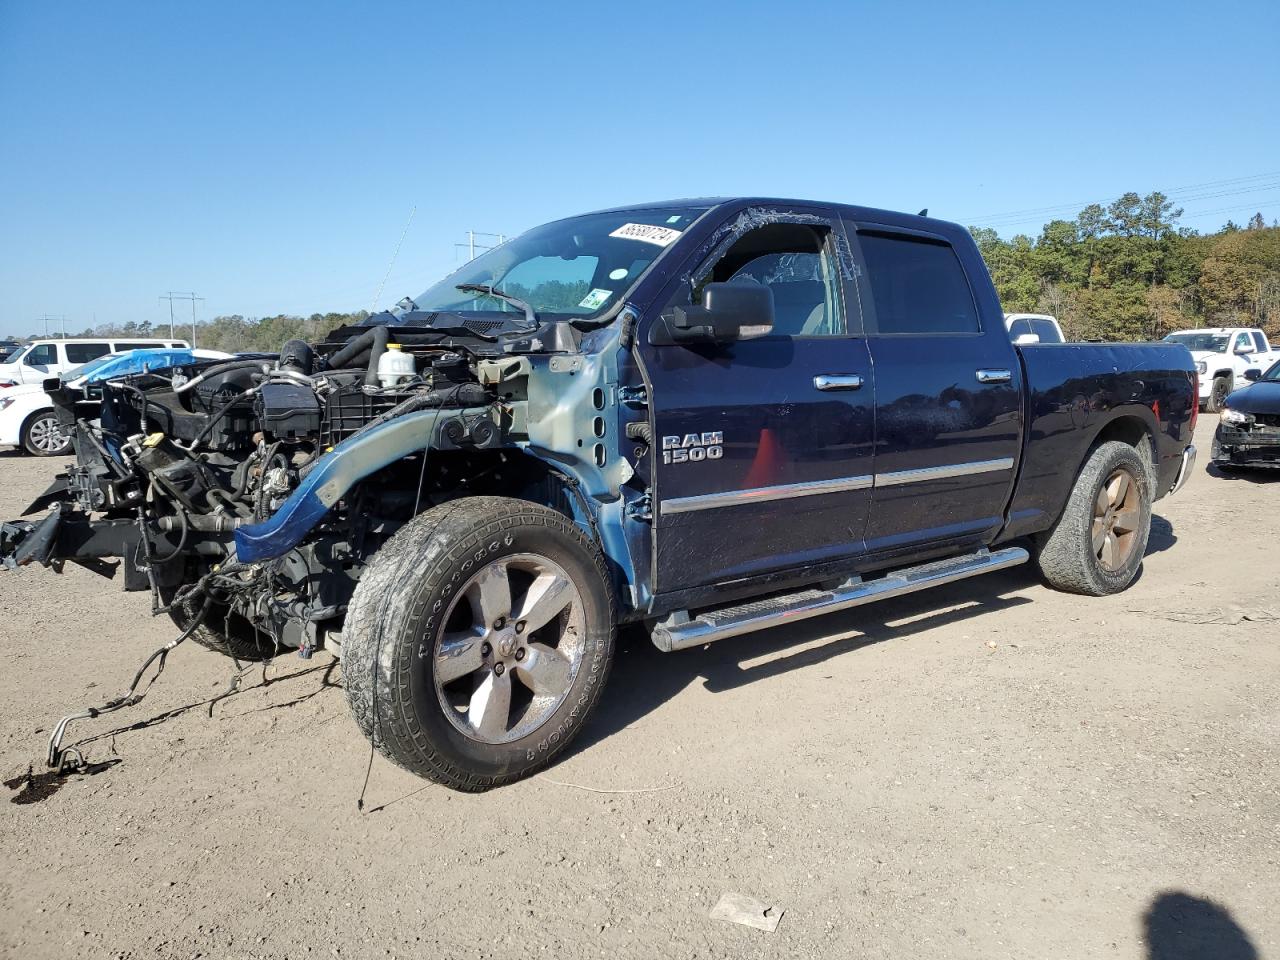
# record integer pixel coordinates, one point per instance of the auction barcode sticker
(662, 236)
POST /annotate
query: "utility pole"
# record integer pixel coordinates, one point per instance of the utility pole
(171, 296)
(170, 299)
(472, 246)
(63, 320)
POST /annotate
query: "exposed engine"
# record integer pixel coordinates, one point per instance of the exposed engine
(183, 458)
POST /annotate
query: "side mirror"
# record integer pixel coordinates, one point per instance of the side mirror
(729, 311)
(1026, 339)
(1253, 374)
(1243, 350)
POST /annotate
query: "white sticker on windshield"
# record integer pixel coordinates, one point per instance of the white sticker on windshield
(596, 297)
(661, 236)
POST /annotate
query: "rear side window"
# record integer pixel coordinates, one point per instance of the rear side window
(918, 286)
(1260, 342)
(120, 347)
(78, 353)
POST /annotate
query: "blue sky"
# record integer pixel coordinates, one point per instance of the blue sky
(267, 155)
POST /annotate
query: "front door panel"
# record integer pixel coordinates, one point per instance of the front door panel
(764, 446)
(790, 481)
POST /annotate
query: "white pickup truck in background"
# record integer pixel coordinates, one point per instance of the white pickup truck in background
(1028, 328)
(1222, 355)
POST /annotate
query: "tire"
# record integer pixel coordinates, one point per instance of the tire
(435, 624)
(222, 631)
(42, 437)
(1097, 545)
(1218, 394)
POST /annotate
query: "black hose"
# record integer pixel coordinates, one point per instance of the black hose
(353, 349)
(226, 408)
(381, 337)
(182, 539)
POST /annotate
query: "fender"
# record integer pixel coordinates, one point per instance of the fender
(337, 472)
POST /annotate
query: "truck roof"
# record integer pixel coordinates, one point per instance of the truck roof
(854, 211)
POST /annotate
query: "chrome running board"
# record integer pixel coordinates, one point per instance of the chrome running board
(680, 631)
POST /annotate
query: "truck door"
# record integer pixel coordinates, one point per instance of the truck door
(763, 445)
(948, 393)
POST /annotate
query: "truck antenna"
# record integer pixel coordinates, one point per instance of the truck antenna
(378, 296)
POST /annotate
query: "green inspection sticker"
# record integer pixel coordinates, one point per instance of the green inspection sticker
(595, 298)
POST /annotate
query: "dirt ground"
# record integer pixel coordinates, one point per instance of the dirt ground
(989, 770)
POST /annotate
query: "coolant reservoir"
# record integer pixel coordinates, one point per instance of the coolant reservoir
(395, 366)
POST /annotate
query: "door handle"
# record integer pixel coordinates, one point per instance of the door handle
(994, 376)
(837, 381)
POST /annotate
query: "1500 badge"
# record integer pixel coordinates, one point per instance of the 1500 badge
(693, 447)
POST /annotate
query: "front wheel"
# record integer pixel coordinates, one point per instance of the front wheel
(42, 435)
(1097, 545)
(478, 641)
(1218, 394)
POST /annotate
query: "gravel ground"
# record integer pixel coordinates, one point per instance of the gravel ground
(989, 770)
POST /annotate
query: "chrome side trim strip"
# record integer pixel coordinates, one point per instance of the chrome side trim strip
(783, 491)
(730, 498)
(944, 472)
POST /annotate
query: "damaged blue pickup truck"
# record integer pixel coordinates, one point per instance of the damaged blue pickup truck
(708, 417)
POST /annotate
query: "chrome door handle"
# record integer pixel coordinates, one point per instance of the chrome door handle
(994, 376)
(837, 381)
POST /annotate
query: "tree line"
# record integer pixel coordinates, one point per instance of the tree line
(1123, 271)
(1127, 271)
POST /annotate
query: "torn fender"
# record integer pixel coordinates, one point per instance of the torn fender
(347, 464)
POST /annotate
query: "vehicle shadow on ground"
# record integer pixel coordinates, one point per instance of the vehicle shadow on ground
(643, 678)
(1250, 474)
(1162, 536)
(1178, 926)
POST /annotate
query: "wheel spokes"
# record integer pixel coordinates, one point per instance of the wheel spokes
(1109, 551)
(549, 594)
(545, 670)
(490, 595)
(459, 654)
(1118, 489)
(1126, 521)
(1099, 534)
(489, 712)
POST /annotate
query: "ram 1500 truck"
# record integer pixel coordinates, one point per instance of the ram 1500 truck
(707, 417)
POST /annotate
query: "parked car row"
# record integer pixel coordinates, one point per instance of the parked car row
(41, 359)
(27, 417)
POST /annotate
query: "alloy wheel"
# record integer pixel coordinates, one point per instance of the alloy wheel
(1117, 515)
(509, 649)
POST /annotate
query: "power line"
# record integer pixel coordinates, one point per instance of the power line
(1185, 193)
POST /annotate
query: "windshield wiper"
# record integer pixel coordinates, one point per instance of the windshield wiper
(529, 315)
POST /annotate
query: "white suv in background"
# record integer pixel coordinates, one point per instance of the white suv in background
(1222, 355)
(41, 359)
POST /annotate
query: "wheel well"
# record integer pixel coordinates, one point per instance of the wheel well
(27, 421)
(1135, 432)
(1222, 373)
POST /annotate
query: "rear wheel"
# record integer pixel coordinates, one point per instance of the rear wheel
(1218, 394)
(1097, 545)
(42, 435)
(478, 641)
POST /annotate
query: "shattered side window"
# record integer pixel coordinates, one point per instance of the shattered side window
(795, 260)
